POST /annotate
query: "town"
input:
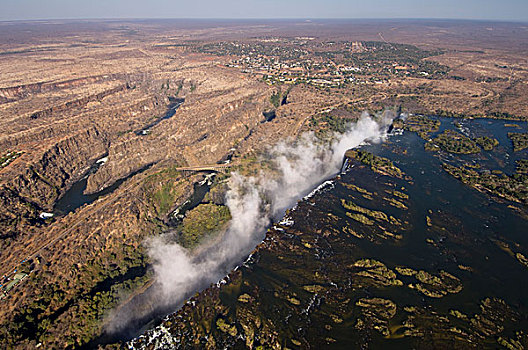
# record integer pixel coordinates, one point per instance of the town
(326, 64)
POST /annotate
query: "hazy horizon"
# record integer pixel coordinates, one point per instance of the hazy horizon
(488, 10)
(285, 19)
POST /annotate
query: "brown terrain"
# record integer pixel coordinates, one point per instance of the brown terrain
(74, 93)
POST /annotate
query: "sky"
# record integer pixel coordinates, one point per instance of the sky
(509, 10)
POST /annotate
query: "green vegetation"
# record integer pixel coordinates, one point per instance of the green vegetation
(492, 115)
(225, 327)
(357, 189)
(163, 189)
(522, 166)
(253, 49)
(217, 191)
(449, 114)
(396, 203)
(382, 56)
(405, 271)
(514, 188)
(522, 259)
(519, 140)
(422, 125)
(75, 307)
(377, 272)
(180, 87)
(327, 65)
(378, 223)
(361, 295)
(381, 296)
(326, 124)
(512, 126)
(360, 218)
(100, 285)
(378, 164)
(164, 197)
(201, 222)
(8, 157)
(377, 215)
(436, 286)
(453, 142)
(487, 143)
(506, 116)
(376, 313)
(399, 194)
(275, 99)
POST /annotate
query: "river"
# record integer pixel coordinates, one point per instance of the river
(75, 196)
(443, 271)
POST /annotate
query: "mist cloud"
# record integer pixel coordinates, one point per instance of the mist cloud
(255, 202)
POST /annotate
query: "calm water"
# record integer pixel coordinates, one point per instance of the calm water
(472, 225)
(75, 196)
(175, 103)
(472, 217)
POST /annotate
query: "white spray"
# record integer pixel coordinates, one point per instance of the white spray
(299, 166)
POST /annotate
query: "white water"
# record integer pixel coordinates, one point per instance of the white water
(254, 203)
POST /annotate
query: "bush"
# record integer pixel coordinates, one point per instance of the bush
(201, 222)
